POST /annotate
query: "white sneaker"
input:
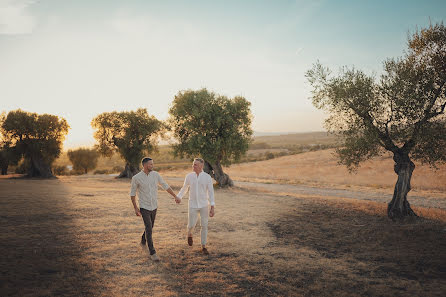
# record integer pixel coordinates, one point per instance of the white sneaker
(155, 257)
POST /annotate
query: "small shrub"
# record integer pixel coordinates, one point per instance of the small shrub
(281, 154)
(61, 170)
(259, 145)
(269, 156)
(117, 169)
(21, 167)
(83, 159)
(77, 172)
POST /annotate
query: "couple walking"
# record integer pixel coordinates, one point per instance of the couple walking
(199, 183)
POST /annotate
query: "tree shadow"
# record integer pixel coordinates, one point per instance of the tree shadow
(39, 253)
(377, 249)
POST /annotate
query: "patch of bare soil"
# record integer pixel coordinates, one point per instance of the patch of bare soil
(78, 236)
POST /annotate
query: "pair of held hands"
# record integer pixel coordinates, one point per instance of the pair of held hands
(178, 201)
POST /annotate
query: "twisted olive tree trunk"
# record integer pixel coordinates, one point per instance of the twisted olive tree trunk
(39, 168)
(129, 171)
(4, 169)
(216, 172)
(399, 207)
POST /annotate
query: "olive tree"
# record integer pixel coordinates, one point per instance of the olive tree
(402, 112)
(211, 126)
(36, 138)
(83, 159)
(129, 133)
(8, 156)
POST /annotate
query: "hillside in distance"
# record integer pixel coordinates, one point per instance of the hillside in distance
(294, 139)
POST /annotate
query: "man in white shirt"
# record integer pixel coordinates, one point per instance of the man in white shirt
(200, 189)
(146, 184)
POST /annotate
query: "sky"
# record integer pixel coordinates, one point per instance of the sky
(77, 59)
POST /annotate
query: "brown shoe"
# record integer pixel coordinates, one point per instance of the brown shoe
(190, 241)
(204, 251)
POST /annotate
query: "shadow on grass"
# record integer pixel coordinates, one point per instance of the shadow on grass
(222, 274)
(39, 255)
(399, 258)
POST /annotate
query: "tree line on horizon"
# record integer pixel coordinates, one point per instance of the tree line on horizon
(402, 112)
(204, 124)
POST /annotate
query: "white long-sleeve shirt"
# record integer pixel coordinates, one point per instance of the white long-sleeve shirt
(200, 189)
(147, 187)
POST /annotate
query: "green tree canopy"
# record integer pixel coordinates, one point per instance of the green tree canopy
(129, 133)
(83, 159)
(37, 138)
(402, 112)
(211, 126)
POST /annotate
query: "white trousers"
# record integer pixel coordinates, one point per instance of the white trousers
(193, 218)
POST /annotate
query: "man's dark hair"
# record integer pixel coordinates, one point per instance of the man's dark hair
(145, 160)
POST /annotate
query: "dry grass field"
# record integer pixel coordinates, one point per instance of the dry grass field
(320, 168)
(287, 140)
(78, 236)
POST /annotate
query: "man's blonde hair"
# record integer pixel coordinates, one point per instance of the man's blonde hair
(199, 160)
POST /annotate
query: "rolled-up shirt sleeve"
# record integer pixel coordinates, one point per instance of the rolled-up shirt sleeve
(161, 181)
(211, 192)
(134, 187)
(184, 188)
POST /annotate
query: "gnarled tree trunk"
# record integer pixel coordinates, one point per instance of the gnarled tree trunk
(4, 163)
(5, 169)
(216, 172)
(129, 171)
(399, 207)
(39, 168)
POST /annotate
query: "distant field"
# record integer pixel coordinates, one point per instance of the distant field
(288, 140)
(320, 168)
(262, 147)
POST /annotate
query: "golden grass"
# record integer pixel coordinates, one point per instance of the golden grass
(320, 168)
(287, 140)
(78, 235)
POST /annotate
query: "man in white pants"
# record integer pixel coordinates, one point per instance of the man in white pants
(200, 190)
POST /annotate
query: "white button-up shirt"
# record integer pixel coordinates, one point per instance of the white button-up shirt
(200, 189)
(147, 187)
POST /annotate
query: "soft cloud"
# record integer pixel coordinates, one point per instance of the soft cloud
(134, 26)
(15, 17)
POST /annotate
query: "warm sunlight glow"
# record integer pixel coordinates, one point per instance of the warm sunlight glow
(82, 59)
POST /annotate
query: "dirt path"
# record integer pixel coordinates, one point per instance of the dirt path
(427, 200)
(422, 199)
(78, 236)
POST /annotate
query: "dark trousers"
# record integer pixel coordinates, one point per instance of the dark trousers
(148, 217)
